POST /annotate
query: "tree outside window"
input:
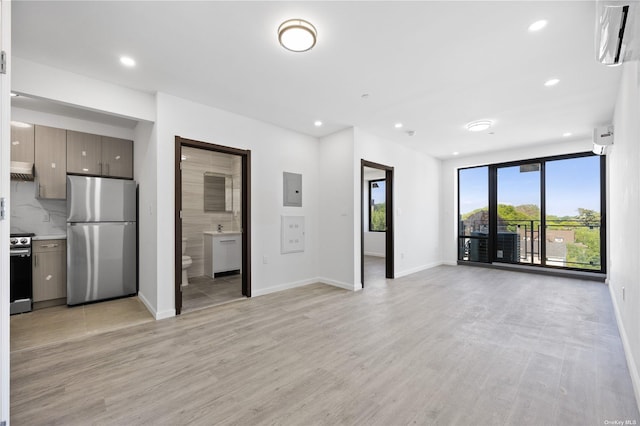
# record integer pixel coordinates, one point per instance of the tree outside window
(377, 204)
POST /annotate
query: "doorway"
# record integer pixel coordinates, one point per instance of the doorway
(212, 225)
(376, 226)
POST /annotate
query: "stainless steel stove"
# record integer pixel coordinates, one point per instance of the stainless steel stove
(21, 275)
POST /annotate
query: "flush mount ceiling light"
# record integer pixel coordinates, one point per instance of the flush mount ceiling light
(127, 61)
(551, 82)
(538, 25)
(317, 123)
(456, 153)
(297, 35)
(478, 126)
(398, 125)
(567, 134)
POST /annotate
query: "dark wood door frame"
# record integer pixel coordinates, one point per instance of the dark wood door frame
(245, 216)
(389, 249)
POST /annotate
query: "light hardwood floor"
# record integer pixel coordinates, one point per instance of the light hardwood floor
(450, 345)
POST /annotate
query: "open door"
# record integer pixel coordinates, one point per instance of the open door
(245, 211)
(388, 216)
(5, 147)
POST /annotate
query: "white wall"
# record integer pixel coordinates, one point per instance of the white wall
(336, 209)
(31, 78)
(374, 243)
(416, 195)
(449, 183)
(273, 151)
(144, 172)
(624, 229)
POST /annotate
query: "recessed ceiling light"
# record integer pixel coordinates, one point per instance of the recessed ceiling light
(551, 82)
(127, 61)
(317, 123)
(567, 134)
(411, 132)
(478, 126)
(538, 25)
(14, 95)
(297, 35)
(456, 153)
(365, 96)
(398, 125)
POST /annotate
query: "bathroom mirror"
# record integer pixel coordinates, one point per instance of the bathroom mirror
(218, 192)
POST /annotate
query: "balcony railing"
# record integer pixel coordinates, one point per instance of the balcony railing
(568, 244)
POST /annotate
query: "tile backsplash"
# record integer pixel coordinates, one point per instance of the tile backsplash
(29, 214)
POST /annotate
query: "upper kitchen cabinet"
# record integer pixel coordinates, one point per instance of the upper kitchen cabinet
(22, 145)
(51, 162)
(95, 155)
(117, 157)
(84, 152)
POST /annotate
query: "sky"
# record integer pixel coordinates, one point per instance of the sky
(378, 193)
(570, 184)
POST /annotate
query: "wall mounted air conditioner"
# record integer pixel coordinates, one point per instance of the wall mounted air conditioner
(602, 140)
(617, 31)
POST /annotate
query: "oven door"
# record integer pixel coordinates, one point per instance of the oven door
(20, 269)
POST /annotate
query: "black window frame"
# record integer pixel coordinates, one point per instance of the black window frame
(492, 206)
(371, 182)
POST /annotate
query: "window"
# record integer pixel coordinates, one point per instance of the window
(377, 206)
(547, 212)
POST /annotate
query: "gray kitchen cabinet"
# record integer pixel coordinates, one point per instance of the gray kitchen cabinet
(49, 273)
(22, 144)
(51, 162)
(84, 153)
(117, 157)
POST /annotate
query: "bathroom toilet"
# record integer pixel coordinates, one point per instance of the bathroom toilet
(186, 263)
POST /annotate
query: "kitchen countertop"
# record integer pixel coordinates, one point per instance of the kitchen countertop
(50, 237)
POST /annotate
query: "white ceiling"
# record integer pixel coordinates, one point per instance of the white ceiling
(433, 66)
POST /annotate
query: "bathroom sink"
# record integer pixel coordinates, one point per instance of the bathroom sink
(223, 233)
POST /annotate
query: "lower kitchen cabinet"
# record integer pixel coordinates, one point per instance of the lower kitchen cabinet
(49, 273)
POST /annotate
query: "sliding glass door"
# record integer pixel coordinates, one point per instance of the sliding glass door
(573, 213)
(545, 212)
(473, 214)
(518, 214)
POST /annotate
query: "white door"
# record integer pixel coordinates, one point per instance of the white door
(5, 153)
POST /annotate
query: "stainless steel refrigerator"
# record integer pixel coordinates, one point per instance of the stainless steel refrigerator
(101, 239)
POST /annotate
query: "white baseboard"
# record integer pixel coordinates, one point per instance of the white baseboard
(340, 284)
(633, 371)
(280, 287)
(374, 254)
(417, 269)
(157, 315)
(449, 263)
(165, 314)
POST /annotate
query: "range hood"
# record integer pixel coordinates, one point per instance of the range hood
(21, 170)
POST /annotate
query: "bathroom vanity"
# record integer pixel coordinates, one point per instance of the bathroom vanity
(222, 252)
